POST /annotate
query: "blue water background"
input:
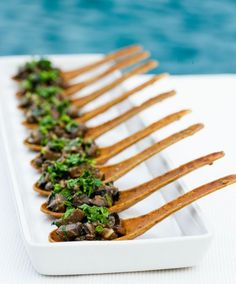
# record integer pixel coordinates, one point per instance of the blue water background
(186, 36)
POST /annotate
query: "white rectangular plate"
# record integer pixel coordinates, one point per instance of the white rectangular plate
(179, 241)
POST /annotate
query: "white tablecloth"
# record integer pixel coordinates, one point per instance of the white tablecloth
(213, 100)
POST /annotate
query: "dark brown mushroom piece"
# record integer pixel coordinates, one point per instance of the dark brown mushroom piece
(77, 215)
(56, 203)
(77, 171)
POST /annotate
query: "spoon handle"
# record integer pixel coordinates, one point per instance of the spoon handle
(67, 75)
(80, 102)
(128, 198)
(139, 225)
(113, 172)
(110, 151)
(117, 66)
(95, 132)
(92, 113)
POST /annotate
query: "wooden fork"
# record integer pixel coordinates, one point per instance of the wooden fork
(115, 171)
(108, 152)
(68, 75)
(126, 62)
(129, 197)
(95, 132)
(92, 113)
(137, 226)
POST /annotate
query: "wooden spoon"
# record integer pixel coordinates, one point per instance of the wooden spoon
(92, 113)
(106, 153)
(126, 62)
(137, 226)
(129, 197)
(95, 132)
(115, 171)
(68, 75)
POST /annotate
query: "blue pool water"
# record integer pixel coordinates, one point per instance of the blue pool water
(186, 36)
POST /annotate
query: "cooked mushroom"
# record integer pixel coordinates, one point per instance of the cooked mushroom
(56, 202)
(95, 224)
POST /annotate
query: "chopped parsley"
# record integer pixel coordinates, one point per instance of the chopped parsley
(47, 123)
(40, 64)
(39, 74)
(85, 184)
(92, 214)
(60, 168)
(95, 213)
(47, 92)
(57, 144)
(51, 107)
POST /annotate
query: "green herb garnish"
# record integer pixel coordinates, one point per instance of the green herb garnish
(99, 229)
(95, 213)
(85, 184)
(57, 144)
(60, 168)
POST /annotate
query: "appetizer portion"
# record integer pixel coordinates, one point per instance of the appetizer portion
(47, 101)
(73, 181)
(34, 67)
(89, 223)
(38, 73)
(61, 147)
(86, 189)
(51, 128)
(70, 166)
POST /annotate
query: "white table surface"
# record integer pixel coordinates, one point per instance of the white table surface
(213, 100)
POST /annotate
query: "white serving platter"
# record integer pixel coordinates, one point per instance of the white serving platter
(179, 241)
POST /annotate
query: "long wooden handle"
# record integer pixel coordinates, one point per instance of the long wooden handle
(113, 172)
(139, 225)
(95, 132)
(92, 113)
(128, 198)
(80, 102)
(117, 66)
(110, 151)
(68, 75)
